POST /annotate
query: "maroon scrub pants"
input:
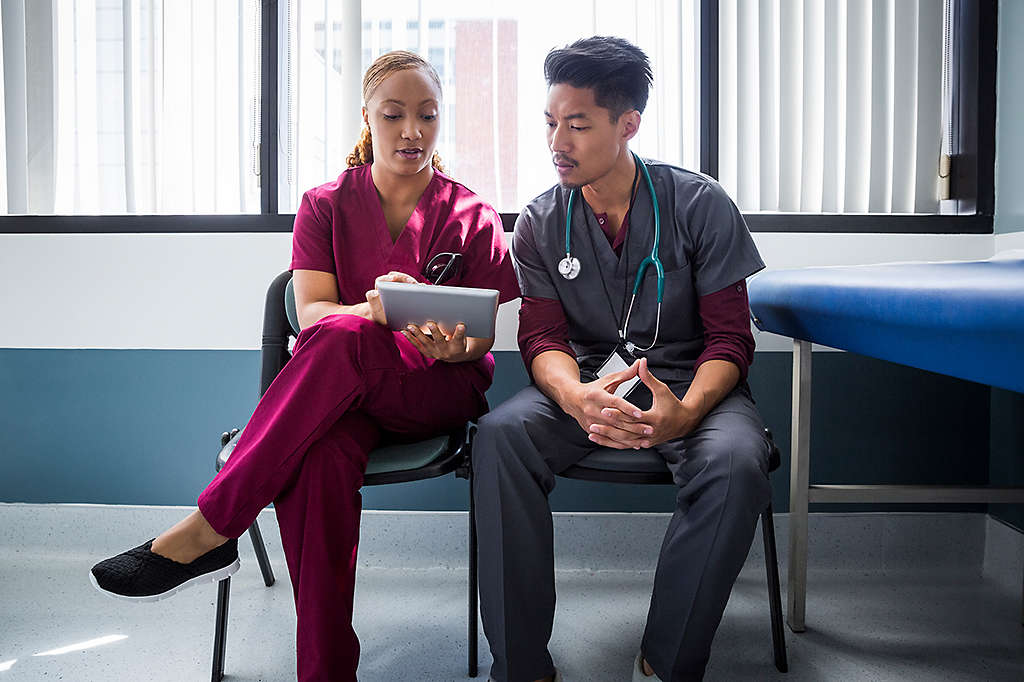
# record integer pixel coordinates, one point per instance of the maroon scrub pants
(305, 449)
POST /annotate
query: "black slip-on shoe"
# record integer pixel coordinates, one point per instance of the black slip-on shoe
(141, 575)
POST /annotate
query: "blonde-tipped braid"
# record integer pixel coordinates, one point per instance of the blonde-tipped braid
(363, 152)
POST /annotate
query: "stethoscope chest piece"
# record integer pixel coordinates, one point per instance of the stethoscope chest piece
(569, 267)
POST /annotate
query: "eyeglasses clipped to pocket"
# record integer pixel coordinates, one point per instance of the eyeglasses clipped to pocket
(443, 267)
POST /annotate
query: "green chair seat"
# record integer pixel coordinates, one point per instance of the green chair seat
(386, 460)
(406, 456)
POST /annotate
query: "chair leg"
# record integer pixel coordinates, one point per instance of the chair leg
(261, 553)
(220, 631)
(774, 592)
(473, 594)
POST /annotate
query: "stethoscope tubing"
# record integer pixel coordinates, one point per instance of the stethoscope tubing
(652, 259)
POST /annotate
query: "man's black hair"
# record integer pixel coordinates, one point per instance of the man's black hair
(617, 71)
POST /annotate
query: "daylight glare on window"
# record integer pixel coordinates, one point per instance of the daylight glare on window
(490, 58)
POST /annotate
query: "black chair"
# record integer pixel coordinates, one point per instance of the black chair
(390, 464)
(647, 467)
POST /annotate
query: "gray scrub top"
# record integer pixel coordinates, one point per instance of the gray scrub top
(705, 246)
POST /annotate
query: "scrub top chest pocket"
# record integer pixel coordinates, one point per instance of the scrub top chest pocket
(680, 318)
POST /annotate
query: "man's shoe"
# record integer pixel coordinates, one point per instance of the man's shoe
(141, 575)
(638, 671)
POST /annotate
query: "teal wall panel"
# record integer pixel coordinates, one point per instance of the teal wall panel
(117, 426)
(142, 427)
(1007, 465)
(876, 422)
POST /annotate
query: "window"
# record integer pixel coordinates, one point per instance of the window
(847, 115)
(831, 107)
(136, 107)
(490, 61)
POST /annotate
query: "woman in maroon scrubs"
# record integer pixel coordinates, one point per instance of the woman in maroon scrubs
(394, 215)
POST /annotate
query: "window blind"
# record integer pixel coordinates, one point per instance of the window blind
(831, 106)
(129, 106)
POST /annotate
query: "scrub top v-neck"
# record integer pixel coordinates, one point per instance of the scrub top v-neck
(704, 246)
(340, 228)
(413, 226)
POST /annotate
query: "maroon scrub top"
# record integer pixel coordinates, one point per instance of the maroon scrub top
(340, 228)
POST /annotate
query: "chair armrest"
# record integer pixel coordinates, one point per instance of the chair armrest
(465, 449)
(228, 441)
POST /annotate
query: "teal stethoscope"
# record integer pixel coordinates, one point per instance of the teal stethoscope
(569, 267)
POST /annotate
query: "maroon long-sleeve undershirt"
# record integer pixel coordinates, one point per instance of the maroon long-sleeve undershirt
(725, 315)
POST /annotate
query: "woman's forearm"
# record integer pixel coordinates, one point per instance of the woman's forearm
(477, 348)
(315, 311)
(318, 310)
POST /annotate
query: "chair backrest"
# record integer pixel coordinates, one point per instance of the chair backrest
(276, 329)
(289, 306)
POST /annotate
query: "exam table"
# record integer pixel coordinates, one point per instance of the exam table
(962, 319)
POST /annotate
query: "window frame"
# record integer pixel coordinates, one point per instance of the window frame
(973, 91)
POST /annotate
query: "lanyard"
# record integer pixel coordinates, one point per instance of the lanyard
(591, 231)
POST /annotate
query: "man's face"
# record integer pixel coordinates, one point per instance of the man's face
(583, 140)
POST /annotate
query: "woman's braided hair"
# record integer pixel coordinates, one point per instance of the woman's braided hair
(382, 67)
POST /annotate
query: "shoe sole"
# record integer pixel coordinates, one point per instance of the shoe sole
(211, 577)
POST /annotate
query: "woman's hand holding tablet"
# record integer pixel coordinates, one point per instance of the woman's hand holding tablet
(373, 295)
(434, 343)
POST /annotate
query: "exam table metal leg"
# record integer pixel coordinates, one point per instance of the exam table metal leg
(798, 490)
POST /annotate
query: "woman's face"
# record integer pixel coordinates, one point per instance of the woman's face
(403, 118)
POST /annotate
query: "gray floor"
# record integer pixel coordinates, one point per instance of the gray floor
(892, 597)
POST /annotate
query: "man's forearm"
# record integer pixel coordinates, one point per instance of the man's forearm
(557, 375)
(713, 381)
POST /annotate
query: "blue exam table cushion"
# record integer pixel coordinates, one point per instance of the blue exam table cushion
(963, 319)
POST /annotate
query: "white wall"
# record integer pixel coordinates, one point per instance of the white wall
(205, 291)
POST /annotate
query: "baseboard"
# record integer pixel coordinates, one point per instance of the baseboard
(937, 542)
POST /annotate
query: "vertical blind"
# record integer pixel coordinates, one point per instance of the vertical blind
(152, 106)
(129, 106)
(831, 106)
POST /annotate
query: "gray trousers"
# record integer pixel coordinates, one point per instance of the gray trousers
(721, 469)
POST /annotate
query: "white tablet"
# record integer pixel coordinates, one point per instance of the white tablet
(406, 304)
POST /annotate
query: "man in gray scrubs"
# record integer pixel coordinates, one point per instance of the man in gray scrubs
(693, 354)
